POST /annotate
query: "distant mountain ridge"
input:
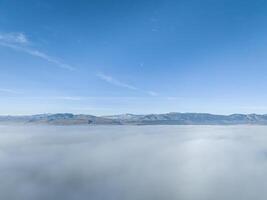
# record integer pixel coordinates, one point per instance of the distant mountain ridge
(173, 118)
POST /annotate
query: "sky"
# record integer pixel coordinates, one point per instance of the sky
(106, 57)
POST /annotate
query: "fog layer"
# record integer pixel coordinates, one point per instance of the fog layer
(133, 162)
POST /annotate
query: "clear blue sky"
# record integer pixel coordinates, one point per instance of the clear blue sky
(124, 56)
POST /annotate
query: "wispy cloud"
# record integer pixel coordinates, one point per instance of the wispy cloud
(19, 42)
(16, 38)
(113, 81)
(152, 93)
(70, 98)
(9, 91)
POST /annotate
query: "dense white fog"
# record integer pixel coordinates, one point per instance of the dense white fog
(133, 162)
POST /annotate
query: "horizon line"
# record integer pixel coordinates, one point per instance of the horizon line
(56, 113)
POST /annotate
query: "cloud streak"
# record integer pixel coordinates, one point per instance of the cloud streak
(113, 81)
(8, 91)
(19, 42)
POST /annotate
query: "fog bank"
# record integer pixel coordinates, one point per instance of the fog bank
(133, 162)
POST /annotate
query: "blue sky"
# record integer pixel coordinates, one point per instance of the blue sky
(121, 56)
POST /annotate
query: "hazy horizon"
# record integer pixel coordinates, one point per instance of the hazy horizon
(144, 113)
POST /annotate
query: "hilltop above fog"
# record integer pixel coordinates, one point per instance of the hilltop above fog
(173, 118)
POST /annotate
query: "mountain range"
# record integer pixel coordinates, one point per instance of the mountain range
(173, 118)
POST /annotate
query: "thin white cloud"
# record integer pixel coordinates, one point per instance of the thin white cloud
(18, 38)
(152, 93)
(63, 98)
(113, 81)
(70, 98)
(9, 91)
(19, 42)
